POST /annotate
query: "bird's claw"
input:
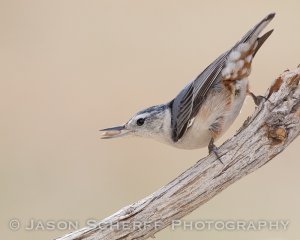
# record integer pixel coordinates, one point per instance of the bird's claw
(212, 148)
(258, 99)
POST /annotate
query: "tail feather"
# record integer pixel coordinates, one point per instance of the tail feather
(253, 34)
(251, 38)
(261, 40)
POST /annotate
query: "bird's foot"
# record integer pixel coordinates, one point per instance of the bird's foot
(257, 99)
(212, 148)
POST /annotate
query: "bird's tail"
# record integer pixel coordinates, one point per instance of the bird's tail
(261, 40)
(253, 35)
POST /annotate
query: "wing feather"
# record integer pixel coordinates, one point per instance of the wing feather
(188, 102)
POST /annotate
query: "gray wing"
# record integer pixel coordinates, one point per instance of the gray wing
(188, 102)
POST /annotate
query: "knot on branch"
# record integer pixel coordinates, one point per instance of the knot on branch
(284, 95)
(277, 135)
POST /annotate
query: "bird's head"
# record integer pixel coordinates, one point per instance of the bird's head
(152, 122)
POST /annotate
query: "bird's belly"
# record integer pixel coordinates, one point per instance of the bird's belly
(198, 139)
(219, 112)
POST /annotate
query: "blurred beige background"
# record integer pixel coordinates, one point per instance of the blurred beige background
(69, 68)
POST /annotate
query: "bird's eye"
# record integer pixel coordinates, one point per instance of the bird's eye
(140, 121)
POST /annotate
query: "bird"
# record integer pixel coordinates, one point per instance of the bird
(207, 106)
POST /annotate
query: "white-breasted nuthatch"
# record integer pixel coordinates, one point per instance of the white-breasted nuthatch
(207, 106)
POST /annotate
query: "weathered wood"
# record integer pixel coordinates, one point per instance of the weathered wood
(271, 128)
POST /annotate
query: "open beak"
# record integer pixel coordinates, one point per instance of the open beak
(114, 132)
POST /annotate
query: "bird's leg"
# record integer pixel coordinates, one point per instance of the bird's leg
(212, 148)
(257, 99)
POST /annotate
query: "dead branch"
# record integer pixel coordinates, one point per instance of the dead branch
(271, 128)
